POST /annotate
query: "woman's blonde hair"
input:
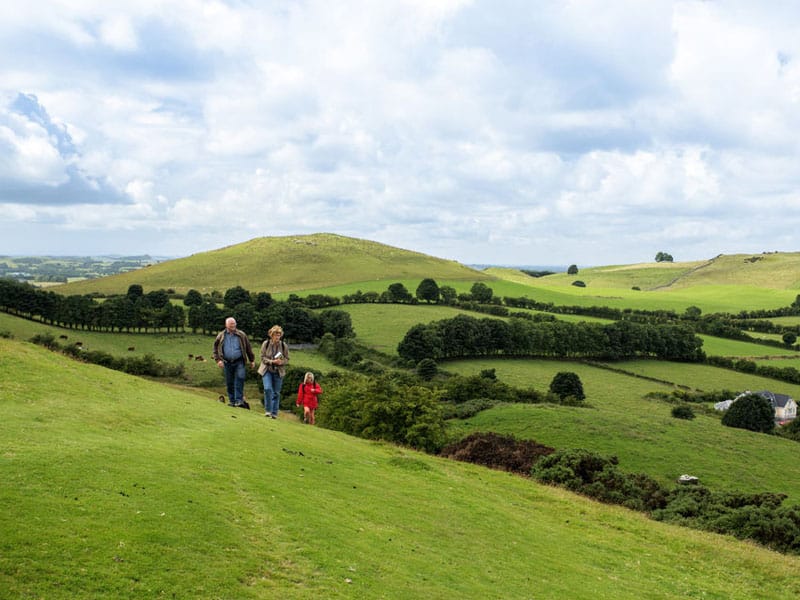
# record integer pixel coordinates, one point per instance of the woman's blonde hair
(308, 376)
(275, 328)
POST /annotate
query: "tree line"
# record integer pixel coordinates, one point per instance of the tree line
(468, 337)
(153, 311)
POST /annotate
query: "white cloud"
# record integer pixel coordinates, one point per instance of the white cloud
(483, 131)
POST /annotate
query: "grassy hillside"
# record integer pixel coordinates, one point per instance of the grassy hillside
(280, 264)
(642, 432)
(722, 284)
(115, 487)
(775, 270)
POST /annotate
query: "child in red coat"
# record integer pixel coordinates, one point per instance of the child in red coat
(308, 397)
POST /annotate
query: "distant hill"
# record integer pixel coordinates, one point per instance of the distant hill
(770, 270)
(283, 264)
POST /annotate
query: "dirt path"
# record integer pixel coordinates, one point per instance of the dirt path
(687, 273)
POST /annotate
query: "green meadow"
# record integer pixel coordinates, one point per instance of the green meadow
(121, 487)
(620, 420)
(117, 487)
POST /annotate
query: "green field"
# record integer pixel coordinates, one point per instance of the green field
(641, 432)
(120, 487)
(116, 487)
(172, 348)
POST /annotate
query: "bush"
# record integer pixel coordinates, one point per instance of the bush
(684, 411)
(47, 340)
(467, 409)
(753, 412)
(579, 283)
(566, 384)
(427, 369)
(385, 409)
(590, 474)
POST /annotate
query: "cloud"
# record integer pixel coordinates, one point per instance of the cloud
(482, 131)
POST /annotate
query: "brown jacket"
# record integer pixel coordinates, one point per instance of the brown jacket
(268, 352)
(244, 343)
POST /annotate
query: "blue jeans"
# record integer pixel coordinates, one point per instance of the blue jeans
(272, 392)
(234, 380)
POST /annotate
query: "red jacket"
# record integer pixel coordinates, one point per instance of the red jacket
(307, 394)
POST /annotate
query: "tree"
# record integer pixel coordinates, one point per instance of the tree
(481, 292)
(158, 298)
(753, 412)
(572, 270)
(566, 384)
(448, 294)
(193, 298)
(789, 338)
(693, 312)
(428, 290)
(235, 296)
(135, 291)
(397, 292)
(663, 257)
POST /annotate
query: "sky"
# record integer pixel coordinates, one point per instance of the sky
(509, 132)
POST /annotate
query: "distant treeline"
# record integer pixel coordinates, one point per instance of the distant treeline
(153, 311)
(467, 337)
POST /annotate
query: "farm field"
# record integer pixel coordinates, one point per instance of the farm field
(715, 346)
(173, 348)
(158, 491)
(642, 432)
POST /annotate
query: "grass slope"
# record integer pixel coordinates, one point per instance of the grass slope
(727, 283)
(642, 432)
(115, 487)
(281, 264)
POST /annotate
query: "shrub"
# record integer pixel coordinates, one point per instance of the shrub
(566, 384)
(753, 412)
(427, 369)
(47, 340)
(590, 474)
(467, 409)
(684, 411)
(385, 409)
(579, 283)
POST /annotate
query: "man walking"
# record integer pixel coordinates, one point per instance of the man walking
(231, 350)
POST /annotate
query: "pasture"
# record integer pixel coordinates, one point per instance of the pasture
(149, 490)
(641, 432)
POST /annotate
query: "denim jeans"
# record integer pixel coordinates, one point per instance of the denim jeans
(234, 380)
(272, 392)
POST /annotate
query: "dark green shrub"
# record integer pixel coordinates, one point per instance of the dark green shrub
(753, 412)
(683, 411)
(47, 340)
(383, 408)
(566, 383)
(590, 474)
(579, 283)
(427, 369)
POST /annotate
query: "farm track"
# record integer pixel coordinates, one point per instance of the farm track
(686, 274)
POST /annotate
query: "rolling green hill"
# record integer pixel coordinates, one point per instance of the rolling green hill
(116, 487)
(772, 270)
(282, 264)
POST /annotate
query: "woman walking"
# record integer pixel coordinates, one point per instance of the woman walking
(274, 356)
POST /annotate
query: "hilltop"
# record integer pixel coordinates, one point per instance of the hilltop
(282, 264)
(153, 490)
